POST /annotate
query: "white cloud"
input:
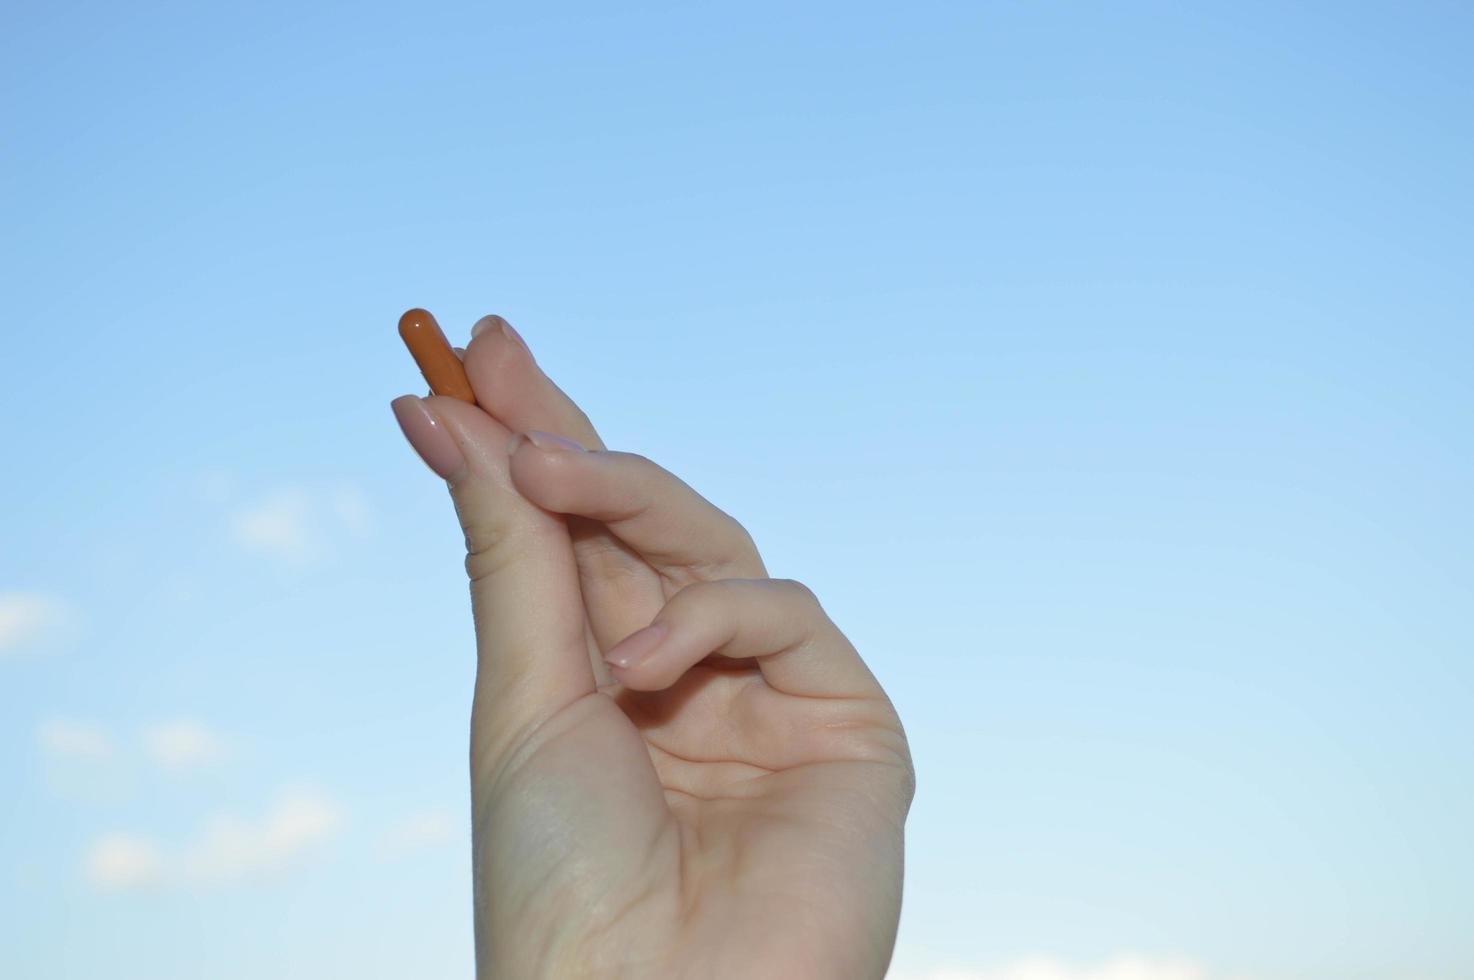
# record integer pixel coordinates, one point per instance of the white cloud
(427, 828)
(299, 524)
(229, 848)
(1125, 966)
(81, 761)
(62, 738)
(352, 508)
(120, 861)
(279, 525)
(175, 745)
(216, 486)
(29, 618)
(180, 745)
(84, 762)
(232, 848)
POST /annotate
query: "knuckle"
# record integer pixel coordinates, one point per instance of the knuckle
(907, 780)
(711, 600)
(700, 595)
(484, 565)
(599, 557)
(799, 592)
(582, 420)
(636, 460)
(629, 480)
(487, 550)
(744, 537)
(739, 543)
(635, 465)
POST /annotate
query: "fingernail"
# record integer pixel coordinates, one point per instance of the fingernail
(514, 336)
(491, 321)
(551, 443)
(428, 437)
(636, 648)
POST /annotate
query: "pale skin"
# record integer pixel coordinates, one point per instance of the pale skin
(723, 795)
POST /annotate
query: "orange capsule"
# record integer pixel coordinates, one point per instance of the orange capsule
(443, 371)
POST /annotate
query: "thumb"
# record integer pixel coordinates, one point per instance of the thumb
(531, 650)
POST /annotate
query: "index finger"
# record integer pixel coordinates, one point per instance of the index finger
(680, 533)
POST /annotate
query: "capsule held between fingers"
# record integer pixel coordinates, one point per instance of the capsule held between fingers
(438, 362)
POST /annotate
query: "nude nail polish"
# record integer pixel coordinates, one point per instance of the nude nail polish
(493, 322)
(428, 437)
(636, 648)
(550, 443)
(511, 334)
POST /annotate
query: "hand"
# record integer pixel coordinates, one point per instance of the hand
(725, 797)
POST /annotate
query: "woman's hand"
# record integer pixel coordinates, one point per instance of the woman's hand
(679, 766)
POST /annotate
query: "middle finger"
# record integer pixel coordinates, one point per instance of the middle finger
(682, 535)
(621, 592)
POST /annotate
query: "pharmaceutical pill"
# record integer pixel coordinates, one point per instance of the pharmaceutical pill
(438, 362)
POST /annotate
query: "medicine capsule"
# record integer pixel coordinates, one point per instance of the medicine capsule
(442, 369)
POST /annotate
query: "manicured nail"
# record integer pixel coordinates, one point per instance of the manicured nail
(548, 442)
(494, 322)
(428, 437)
(514, 336)
(636, 648)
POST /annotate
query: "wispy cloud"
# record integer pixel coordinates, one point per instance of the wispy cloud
(66, 739)
(352, 507)
(121, 861)
(232, 847)
(1124, 966)
(427, 828)
(172, 745)
(85, 762)
(229, 848)
(82, 761)
(300, 524)
(217, 486)
(183, 744)
(29, 620)
(279, 525)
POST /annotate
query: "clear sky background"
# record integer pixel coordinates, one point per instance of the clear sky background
(1104, 368)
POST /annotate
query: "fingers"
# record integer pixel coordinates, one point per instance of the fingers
(509, 384)
(620, 591)
(647, 507)
(777, 622)
(532, 654)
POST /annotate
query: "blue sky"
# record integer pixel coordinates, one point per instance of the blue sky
(1105, 369)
